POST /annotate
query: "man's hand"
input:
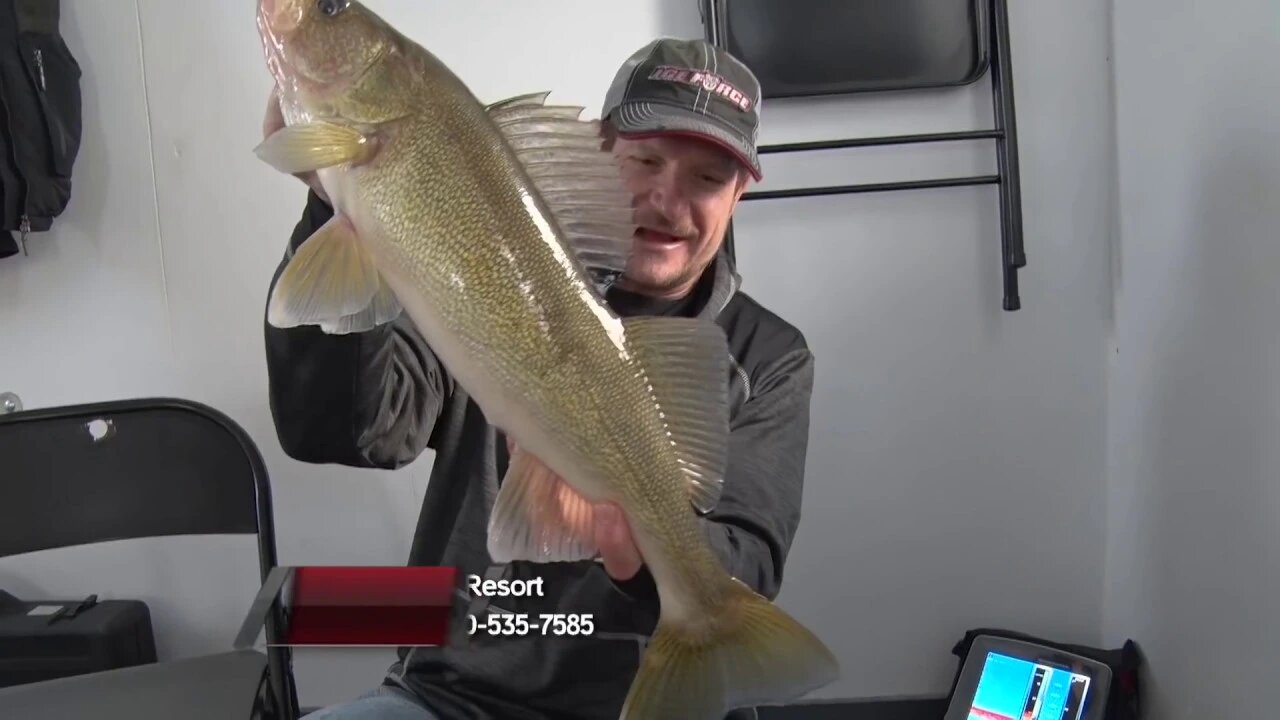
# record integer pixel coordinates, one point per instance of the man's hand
(612, 535)
(618, 549)
(274, 121)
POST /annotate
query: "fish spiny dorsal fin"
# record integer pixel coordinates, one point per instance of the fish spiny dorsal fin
(686, 361)
(535, 98)
(578, 179)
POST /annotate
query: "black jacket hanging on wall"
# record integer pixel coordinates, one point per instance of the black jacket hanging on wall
(40, 117)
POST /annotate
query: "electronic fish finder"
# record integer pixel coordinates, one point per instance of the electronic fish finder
(1006, 679)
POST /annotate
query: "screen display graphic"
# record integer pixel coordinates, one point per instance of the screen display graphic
(1015, 689)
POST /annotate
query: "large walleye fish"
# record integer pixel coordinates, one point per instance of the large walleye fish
(480, 221)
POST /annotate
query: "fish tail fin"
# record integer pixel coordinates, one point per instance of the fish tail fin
(760, 655)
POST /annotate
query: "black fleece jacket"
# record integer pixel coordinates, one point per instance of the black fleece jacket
(379, 398)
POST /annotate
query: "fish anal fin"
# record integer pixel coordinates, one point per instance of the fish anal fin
(538, 517)
(331, 281)
(315, 145)
(686, 361)
(565, 160)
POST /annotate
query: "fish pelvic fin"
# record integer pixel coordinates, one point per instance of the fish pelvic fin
(578, 179)
(316, 145)
(756, 655)
(539, 517)
(332, 282)
(686, 361)
(382, 309)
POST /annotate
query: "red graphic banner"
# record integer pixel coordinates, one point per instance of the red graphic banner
(370, 606)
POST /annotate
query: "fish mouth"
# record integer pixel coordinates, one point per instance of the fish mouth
(272, 27)
(279, 17)
(277, 20)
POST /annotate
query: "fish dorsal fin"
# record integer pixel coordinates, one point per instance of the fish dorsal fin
(534, 98)
(578, 179)
(686, 361)
(331, 281)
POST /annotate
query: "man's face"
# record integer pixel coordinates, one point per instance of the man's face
(685, 191)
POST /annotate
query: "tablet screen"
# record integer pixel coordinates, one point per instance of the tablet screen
(1016, 689)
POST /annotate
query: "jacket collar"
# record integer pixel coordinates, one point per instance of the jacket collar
(723, 288)
(724, 285)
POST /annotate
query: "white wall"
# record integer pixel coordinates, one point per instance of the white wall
(1193, 561)
(956, 472)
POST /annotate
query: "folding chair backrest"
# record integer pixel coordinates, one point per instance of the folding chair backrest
(818, 47)
(129, 469)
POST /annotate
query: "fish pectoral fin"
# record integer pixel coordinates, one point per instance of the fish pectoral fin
(316, 145)
(580, 181)
(331, 281)
(686, 361)
(539, 517)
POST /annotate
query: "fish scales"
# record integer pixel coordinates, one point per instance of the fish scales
(521, 284)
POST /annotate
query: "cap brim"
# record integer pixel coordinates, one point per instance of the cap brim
(639, 119)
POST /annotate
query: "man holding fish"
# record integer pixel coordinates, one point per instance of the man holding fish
(470, 328)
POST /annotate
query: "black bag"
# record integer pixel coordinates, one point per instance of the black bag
(1124, 699)
(82, 637)
(40, 119)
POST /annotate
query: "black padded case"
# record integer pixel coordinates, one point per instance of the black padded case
(110, 634)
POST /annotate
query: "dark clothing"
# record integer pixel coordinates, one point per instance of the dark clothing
(40, 119)
(379, 398)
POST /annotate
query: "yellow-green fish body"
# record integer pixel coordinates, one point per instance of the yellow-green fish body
(479, 222)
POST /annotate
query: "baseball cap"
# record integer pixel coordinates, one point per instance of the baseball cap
(688, 87)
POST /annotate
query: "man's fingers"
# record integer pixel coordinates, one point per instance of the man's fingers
(617, 548)
(273, 120)
(607, 524)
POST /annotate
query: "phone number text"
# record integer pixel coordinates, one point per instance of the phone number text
(521, 624)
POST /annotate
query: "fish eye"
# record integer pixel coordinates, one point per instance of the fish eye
(332, 7)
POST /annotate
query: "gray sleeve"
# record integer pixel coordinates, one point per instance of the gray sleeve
(367, 399)
(753, 525)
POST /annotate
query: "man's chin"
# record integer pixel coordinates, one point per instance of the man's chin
(651, 283)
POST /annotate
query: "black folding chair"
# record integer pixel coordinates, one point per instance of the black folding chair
(814, 48)
(136, 469)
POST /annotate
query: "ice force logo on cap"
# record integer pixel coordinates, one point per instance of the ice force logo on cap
(711, 82)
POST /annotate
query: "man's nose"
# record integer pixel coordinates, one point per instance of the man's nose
(665, 197)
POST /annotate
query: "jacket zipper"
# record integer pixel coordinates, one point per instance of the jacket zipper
(26, 221)
(40, 66)
(24, 230)
(24, 227)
